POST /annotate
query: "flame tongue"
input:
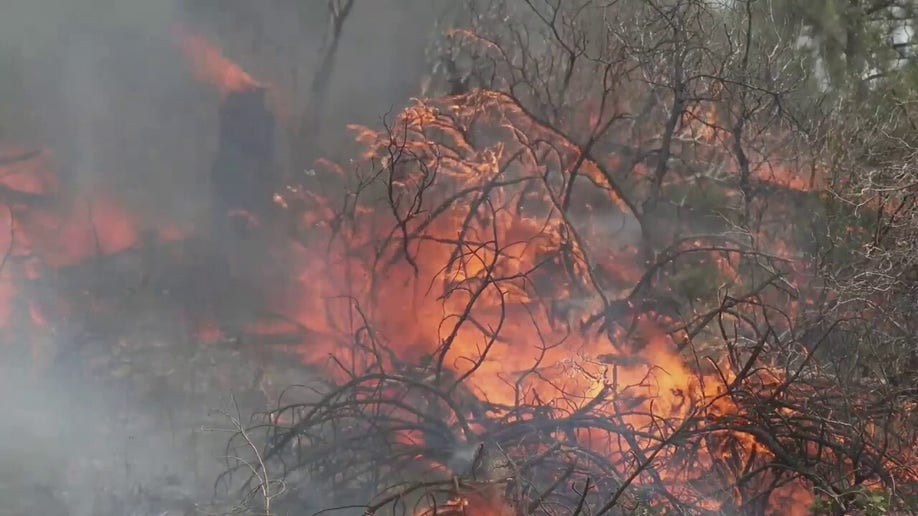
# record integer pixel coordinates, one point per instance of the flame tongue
(210, 65)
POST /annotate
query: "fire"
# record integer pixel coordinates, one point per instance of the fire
(468, 506)
(463, 285)
(58, 229)
(210, 65)
(458, 249)
(48, 229)
(458, 267)
(473, 274)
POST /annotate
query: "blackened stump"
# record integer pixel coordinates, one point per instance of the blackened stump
(244, 180)
(244, 173)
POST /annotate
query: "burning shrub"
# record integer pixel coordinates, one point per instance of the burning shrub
(521, 318)
(489, 351)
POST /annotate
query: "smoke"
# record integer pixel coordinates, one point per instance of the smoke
(64, 451)
(104, 85)
(379, 64)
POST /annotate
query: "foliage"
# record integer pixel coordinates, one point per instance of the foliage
(858, 44)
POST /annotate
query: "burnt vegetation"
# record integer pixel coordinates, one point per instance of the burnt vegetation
(628, 257)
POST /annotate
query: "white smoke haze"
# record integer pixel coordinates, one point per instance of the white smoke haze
(105, 87)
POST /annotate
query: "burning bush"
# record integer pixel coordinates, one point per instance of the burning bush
(526, 309)
(491, 351)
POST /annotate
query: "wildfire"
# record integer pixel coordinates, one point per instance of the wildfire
(458, 268)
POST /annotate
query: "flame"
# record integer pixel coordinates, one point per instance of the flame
(210, 65)
(416, 322)
(61, 231)
(468, 506)
(497, 289)
(47, 229)
(503, 339)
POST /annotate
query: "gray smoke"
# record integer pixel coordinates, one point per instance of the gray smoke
(103, 84)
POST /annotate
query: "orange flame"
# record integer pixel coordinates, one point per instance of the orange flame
(210, 65)
(414, 307)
